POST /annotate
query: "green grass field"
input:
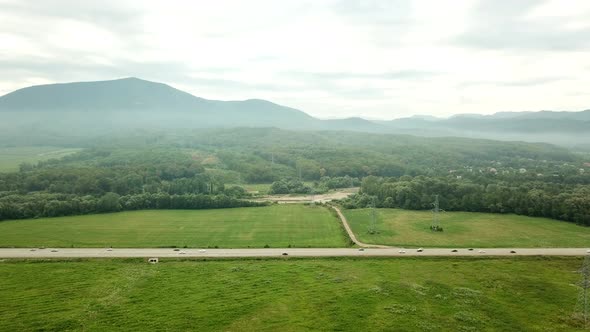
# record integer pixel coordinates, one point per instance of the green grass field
(402, 294)
(465, 229)
(11, 158)
(277, 226)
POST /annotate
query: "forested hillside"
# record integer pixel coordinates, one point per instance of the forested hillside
(191, 169)
(108, 180)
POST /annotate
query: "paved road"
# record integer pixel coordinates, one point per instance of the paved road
(277, 252)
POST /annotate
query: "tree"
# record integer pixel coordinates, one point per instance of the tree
(109, 202)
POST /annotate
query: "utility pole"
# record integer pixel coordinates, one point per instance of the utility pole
(435, 220)
(435, 226)
(373, 225)
(272, 162)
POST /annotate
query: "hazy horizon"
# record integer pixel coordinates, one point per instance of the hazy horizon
(330, 59)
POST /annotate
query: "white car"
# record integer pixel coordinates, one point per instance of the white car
(420, 250)
(54, 250)
(109, 249)
(202, 250)
(402, 251)
(182, 252)
(482, 251)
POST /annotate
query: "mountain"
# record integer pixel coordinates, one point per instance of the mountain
(122, 94)
(85, 108)
(571, 129)
(352, 124)
(140, 103)
(582, 116)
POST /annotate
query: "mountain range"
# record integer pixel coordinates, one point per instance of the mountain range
(137, 103)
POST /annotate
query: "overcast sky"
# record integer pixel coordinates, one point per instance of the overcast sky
(376, 59)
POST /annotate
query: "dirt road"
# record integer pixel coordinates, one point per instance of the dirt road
(351, 234)
(320, 198)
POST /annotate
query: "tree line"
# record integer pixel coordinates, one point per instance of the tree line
(296, 186)
(37, 205)
(564, 201)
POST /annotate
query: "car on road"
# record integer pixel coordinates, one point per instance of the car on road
(454, 250)
(420, 250)
(182, 252)
(109, 249)
(202, 250)
(402, 251)
(482, 251)
(285, 254)
(512, 251)
(361, 249)
(54, 250)
(176, 249)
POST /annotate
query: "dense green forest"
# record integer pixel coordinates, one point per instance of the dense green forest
(108, 180)
(191, 169)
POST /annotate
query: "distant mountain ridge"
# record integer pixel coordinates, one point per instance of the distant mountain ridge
(136, 103)
(115, 98)
(127, 93)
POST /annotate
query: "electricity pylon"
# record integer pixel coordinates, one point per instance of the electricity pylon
(435, 226)
(373, 224)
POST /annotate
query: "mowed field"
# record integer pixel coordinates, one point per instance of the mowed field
(465, 229)
(276, 226)
(403, 294)
(11, 158)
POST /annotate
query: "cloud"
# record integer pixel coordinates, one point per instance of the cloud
(393, 75)
(330, 58)
(517, 83)
(506, 25)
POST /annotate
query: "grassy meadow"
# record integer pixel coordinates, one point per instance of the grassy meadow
(402, 294)
(276, 226)
(11, 158)
(465, 229)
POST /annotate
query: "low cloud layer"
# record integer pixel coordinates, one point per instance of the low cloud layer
(376, 59)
